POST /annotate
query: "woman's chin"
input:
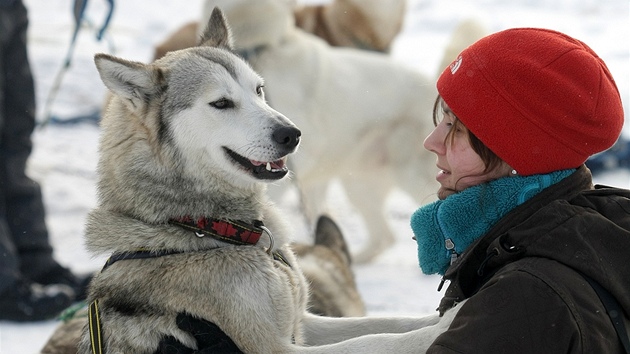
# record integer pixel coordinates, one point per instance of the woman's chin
(445, 192)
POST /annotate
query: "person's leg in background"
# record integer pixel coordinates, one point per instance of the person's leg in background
(33, 286)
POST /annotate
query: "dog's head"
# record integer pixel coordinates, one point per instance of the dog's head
(201, 110)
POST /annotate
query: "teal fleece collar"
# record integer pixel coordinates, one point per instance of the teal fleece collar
(445, 228)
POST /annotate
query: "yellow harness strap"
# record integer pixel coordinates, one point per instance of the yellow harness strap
(95, 328)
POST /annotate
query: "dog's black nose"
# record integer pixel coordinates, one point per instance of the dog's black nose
(288, 137)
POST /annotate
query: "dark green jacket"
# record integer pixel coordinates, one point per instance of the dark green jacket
(522, 279)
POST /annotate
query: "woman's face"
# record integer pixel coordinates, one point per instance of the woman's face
(459, 165)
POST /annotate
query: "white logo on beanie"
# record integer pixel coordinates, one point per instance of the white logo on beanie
(456, 64)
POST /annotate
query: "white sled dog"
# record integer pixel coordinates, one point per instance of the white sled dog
(363, 115)
(187, 145)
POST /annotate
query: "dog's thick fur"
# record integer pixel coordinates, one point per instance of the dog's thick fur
(327, 266)
(163, 154)
(363, 24)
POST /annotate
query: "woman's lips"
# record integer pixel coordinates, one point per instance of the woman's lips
(442, 174)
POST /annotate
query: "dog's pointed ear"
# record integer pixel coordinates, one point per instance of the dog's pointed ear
(217, 32)
(134, 81)
(328, 234)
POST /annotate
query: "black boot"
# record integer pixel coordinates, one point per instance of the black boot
(26, 301)
(61, 275)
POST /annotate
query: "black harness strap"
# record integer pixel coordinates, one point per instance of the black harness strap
(121, 256)
(614, 310)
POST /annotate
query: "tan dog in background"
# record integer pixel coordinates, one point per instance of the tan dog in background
(327, 266)
(362, 24)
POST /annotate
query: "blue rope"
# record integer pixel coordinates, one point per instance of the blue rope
(101, 32)
(78, 9)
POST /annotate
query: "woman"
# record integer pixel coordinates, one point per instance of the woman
(519, 230)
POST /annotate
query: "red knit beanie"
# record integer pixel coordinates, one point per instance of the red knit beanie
(539, 99)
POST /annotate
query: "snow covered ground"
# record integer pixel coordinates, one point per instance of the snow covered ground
(64, 157)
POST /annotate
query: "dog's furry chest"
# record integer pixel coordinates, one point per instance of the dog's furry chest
(231, 287)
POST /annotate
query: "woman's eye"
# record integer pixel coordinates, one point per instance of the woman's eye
(448, 124)
(223, 103)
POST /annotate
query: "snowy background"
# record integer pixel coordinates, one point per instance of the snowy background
(64, 157)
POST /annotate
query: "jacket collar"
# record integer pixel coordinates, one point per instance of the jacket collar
(471, 270)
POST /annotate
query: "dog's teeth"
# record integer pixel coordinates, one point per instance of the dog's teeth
(268, 166)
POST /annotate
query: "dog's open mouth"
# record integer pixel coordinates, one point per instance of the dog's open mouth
(261, 169)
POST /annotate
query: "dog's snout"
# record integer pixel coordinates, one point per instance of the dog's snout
(288, 137)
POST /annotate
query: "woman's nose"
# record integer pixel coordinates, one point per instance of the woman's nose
(434, 142)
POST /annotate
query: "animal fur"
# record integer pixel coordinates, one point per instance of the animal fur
(365, 114)
(464, 35)
(191, 135)
(363, 24)
(327, 266)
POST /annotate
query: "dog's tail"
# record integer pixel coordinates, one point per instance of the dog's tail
(466, 33)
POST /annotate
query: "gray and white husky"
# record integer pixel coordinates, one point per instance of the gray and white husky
(188, 144)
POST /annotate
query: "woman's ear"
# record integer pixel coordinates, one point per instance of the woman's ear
(508, 170)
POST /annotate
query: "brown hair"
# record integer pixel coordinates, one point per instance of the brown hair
(489, 158)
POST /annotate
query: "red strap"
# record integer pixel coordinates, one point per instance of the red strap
(236, 232)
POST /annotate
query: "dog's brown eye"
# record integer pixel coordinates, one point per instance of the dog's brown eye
(222, 104)
(259, 90)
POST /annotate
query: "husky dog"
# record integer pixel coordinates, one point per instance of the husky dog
(326, 264)
(187, 145)
(364, 112)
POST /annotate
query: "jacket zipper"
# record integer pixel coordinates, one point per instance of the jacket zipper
(450, 246)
